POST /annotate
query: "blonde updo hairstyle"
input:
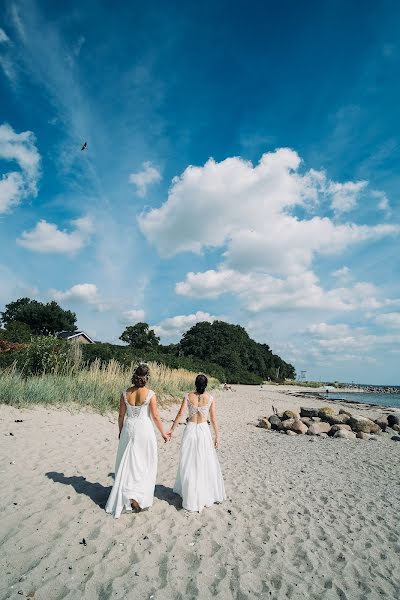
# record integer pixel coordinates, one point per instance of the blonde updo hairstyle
(141, 375)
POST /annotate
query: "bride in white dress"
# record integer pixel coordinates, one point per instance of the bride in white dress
(199, 479)
(136, 462)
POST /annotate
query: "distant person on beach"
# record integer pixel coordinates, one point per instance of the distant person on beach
(136, 462)
(199, 479)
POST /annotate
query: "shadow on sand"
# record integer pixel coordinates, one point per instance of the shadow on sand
(95, 491)
(167, 494)
(99, 493)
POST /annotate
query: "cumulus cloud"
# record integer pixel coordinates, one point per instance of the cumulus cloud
(46, 237)
(15, 186)
(247, 209)
(142, 179)
(258, 291)
(135, 315)
(268, 251)
(345, 195)
(173, 328)
(86, 293)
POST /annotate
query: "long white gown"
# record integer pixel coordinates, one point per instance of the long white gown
(199, 479)
(136, 462)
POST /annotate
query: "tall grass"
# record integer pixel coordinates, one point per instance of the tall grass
(97, 386)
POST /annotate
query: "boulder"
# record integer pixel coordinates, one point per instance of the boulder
(318, 428)
(393, 420)
(289, 432)
(290, 414)
(345, 434)
(275, 421)
(308, 412)
(338, 427)
(299, 427)
(287, 423)
(264, 423)
(337, 419)
(343, 411)
(395, 438)
(363, 436)
(306, 420)
(316, 419)
(396, 428)
(363, 424)
(326, 411)
(382, 422)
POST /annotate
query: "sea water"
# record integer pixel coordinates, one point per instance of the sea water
(392, 400)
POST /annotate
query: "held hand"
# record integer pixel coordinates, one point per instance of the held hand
(170, 432)
(216, 443)
(166, 436)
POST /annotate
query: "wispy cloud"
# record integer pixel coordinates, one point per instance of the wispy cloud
(3, 36)
(142, 179)
(46, 237)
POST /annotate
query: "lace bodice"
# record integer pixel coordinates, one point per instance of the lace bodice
(141, 410)
(201, 410)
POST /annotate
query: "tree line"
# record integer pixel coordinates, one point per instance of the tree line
(221, 349)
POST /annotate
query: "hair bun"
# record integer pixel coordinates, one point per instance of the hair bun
(141, 375)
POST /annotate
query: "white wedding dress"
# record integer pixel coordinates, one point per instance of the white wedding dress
(136, 462)
(199, 479)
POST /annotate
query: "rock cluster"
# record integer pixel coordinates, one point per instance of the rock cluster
(326, 422)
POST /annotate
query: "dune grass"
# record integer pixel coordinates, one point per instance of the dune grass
(97, 386)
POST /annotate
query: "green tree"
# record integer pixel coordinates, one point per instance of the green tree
(140, 336)
(42, 319)
(243, 359)
(16, 331)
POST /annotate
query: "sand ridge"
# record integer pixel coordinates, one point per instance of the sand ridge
(315, 520)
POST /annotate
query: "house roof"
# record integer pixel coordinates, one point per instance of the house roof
(68, 335)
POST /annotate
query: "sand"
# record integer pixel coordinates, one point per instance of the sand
(303, 519)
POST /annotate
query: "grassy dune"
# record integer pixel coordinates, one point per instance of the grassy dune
(98, 386)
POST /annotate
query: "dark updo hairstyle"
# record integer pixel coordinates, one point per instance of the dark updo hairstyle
(141, 375)
(201, 383)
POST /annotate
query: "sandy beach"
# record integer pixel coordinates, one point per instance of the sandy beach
(305, 517)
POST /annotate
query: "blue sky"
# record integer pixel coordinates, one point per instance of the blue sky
(242, 163)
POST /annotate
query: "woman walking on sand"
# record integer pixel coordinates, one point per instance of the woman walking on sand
(199, 479)
(136, 462)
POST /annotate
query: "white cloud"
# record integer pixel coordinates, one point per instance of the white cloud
(173, 328)
(130, 317)
(142, 179)
(345, 195)
(86, 293)
(258, 291)
(248, 210)
(3, 36)
(268, 252)
(390, 320)
(383, 201)
(46, 237)
(18, 185)
(343, 274)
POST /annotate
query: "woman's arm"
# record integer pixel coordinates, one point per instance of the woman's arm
(178, 416)
(157, 420)
(121, 416)
(213, 419)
